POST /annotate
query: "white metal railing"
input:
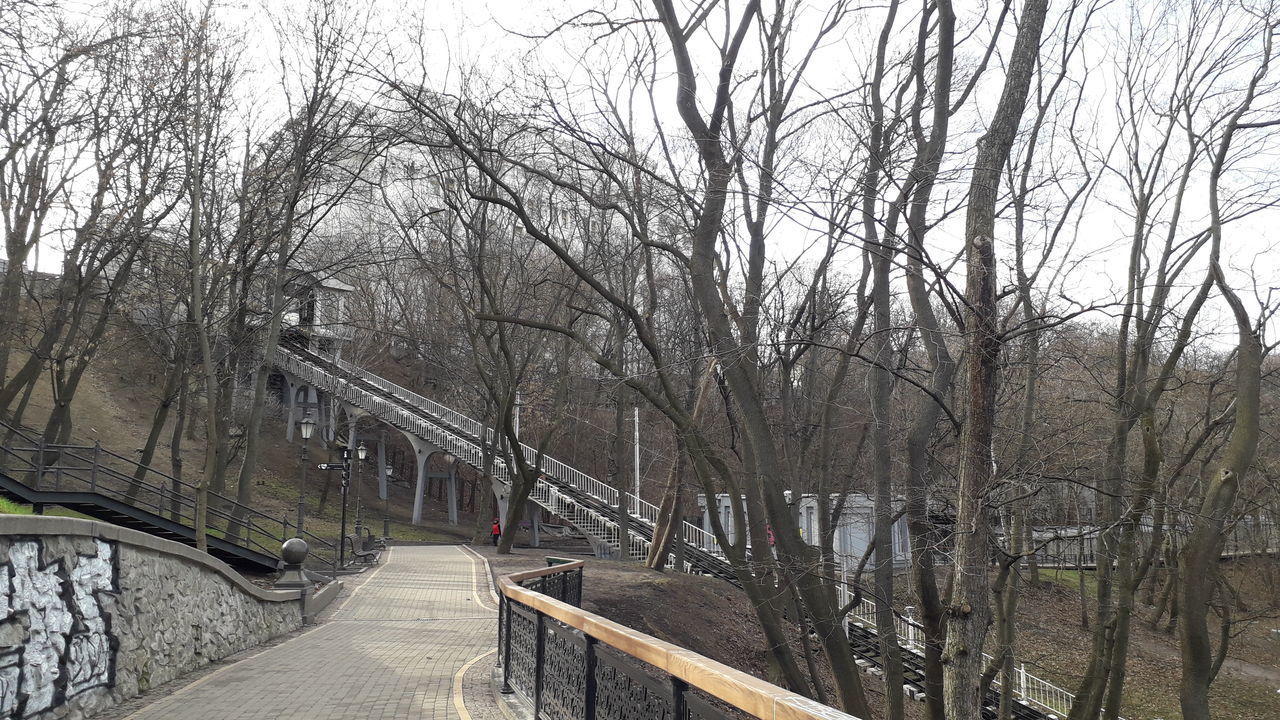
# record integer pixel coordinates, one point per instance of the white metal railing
(449, 416)
(1028, 689)
(417, 424)
(470, 448)
(1078, 546)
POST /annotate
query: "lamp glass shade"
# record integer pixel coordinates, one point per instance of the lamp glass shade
(307, 426)
(361, 451)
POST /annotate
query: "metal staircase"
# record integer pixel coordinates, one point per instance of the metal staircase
(592, 507)
(96, 482)
(588, 504)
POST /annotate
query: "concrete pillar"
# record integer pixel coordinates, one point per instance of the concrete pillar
(303, 399)
(602, 550)
(453, 494)
(422, 451)
(327, 417)
(291, 402)
(421, 487)
(534, 511)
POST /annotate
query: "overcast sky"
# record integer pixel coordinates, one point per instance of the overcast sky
(480, 36)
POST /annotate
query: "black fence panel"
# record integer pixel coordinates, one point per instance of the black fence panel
(566, 675)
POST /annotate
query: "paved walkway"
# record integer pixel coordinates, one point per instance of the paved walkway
(390, 651)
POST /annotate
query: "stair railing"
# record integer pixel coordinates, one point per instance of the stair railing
(114, 476)
(470, 449)
(1029, 688)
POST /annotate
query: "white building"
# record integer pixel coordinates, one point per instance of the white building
(853, 531)
(317, 311)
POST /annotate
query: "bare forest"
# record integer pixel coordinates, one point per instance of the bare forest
(1003, 268)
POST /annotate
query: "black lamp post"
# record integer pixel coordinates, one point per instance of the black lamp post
(307, 426)
(361, 453)
(346, 483)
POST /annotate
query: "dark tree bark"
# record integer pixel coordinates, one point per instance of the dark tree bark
(969, 610)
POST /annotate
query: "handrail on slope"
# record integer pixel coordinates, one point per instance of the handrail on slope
(476, 435)
(689, 669)
(110, 475)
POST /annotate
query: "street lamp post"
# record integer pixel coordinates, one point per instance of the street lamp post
(307, 426)
(361, 452)
(346, 483)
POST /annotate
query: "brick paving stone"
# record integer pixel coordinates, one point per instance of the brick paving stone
(389, 651)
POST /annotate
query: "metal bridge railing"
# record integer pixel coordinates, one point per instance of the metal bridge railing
(459, 436)
(1028, 688)
(105, 474)
(565, 662)
(465, 437)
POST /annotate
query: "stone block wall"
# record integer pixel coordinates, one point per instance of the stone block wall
(92, 614)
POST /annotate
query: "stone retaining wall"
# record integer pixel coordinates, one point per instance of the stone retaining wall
(92, 614)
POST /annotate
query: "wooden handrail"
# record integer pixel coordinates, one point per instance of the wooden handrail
(520, 577)
(745, 692)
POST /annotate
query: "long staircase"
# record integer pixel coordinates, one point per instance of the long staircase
(96, 482)
(588, 504)
(592, 507)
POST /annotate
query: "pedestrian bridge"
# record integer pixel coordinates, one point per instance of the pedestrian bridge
(587, 503)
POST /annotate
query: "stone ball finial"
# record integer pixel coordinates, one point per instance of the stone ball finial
(294, 551)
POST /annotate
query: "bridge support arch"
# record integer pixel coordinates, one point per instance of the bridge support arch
(453, 492)
(423, 451)
(299, 397)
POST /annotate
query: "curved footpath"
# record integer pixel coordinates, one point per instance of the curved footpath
(395, 647)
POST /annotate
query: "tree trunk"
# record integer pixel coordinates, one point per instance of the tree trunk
(617, 451)
(928, 407)
(1203, 549)
(175, 453)
(969, 611)
(670, 515)
(11, 300)
(482, 534)
(168, 395)
(882, 474)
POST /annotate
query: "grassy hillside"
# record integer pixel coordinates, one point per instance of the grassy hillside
(11, 508)
(115, 405)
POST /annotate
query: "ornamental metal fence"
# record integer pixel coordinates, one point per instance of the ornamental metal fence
(568, 664)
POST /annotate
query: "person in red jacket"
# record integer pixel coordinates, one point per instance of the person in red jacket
(496, 530)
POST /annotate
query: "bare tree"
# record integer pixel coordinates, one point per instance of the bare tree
(969, 608)
(1199, 560)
